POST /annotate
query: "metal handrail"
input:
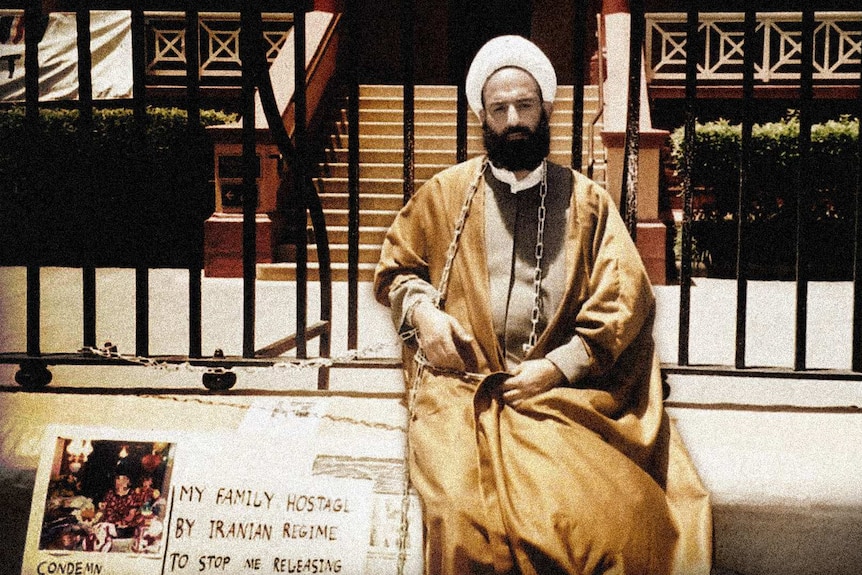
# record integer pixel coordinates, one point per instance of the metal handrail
(600, 64)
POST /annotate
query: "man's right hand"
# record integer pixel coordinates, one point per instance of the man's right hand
(440, 336)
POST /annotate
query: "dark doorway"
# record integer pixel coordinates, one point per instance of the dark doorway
(472, 23)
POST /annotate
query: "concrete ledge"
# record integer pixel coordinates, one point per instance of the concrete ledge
(765, 539)
(785, 484)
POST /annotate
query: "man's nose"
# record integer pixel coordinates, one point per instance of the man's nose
(512, 116)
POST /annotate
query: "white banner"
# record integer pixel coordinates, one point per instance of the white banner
(58, 56)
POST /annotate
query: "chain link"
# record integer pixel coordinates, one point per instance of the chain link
(422, 364)
(110, 352)
(537, 274)
(456, 236)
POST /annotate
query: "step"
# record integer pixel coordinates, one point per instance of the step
(422, 91)
(390, 186)
(367, 234)
(390, 106)
(368, 253)
(367, 201)
(370, 235)
(287, 272)
(396, 91)
(442, 128)
(394, 188)
(384, 136)
(440, 146)
(388, 177)
(430, 110)
(394, 156)
(371, 218)
(383, 171)
(394, 140)
(437, 146)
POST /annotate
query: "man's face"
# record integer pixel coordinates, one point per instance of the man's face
(514, 120)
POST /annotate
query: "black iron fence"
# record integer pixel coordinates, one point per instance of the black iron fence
(34, 363)
(252, 55)
(804, 60)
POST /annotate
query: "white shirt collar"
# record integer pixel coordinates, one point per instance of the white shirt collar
(508, 177)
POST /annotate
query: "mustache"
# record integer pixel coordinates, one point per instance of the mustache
(517, 130)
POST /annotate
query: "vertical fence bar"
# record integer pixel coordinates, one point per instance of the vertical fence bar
(628, 194)
(85, 62)
(804, 192)
(300, 173)
(34, 306)
(192, 53)
(32, 18)
(193, 125)
(139, 65)
(195, 312)
(321, 239)
(748, 58)
(352, 174)
(142, 311)
(457, 61)
(600, 64)
(408, 80)
(251, 167)
(85, 138)
(139, 108)
(579, 38)
(88, 296)
(856, 361)
(692, 58)
(461, 110)
(32, 21)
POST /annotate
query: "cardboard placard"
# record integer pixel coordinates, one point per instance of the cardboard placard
(120, 502)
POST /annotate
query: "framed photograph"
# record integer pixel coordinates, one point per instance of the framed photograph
(107, 495)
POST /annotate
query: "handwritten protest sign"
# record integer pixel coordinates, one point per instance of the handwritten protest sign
(126, 502)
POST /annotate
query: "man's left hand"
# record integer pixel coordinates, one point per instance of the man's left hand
(529, 379)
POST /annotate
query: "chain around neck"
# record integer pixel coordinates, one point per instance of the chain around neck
(540, 247)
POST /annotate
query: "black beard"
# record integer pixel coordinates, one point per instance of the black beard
(517, 155)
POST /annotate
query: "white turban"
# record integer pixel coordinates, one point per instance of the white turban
(504, 52)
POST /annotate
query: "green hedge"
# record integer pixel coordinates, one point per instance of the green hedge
(774, 177)
(110, 197)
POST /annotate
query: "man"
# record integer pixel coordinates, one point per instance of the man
(563, 460)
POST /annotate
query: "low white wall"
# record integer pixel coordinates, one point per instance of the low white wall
(785, 483)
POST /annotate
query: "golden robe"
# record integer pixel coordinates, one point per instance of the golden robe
(586, 478)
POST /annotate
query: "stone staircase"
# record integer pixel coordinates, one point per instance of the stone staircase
(381, 166)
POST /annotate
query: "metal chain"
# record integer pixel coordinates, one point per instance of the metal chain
(419, 358)
(456, 236)
(537, 274)
(109, 351)
(422, 364)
